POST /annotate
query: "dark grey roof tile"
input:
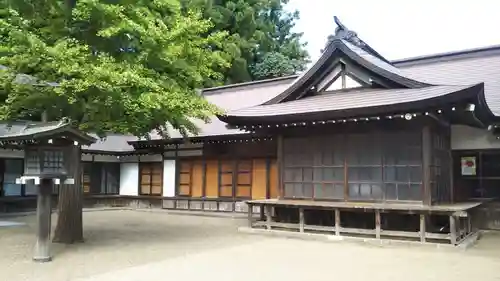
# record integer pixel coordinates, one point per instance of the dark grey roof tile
(338, 101)
(464, 71)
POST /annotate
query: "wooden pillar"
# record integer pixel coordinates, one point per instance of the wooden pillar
(279, 164)
(43, 214)
(337, 222)
(422, 228)
(426, 165)
(453, 230)
(268, 217)
(301, 220)
(250, 215)
(377, 224)
(450, 167)
(469, 224)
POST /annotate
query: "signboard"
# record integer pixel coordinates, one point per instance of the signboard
(468, 165)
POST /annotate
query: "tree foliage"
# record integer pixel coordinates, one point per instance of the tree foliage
(261, 34)
(128, 66)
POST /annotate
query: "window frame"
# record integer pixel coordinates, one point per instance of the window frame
(346, 145)
(235, 173)
(142, 165)
(180, 184)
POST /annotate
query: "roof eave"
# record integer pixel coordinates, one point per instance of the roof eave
(474, 94)
(77, 135)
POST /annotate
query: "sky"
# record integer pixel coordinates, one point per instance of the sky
(402, 29)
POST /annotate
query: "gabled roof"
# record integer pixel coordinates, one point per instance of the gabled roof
(460, 68)
(348, 47)
(388, 89)
(33, 131)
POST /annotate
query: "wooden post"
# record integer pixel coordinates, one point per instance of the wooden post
(268, 217)
(279, 164)
(262, 213)
(453, 230)
(422, 228)
(377, 224)
(337, 222)
(426, 165)
(43, 213)
(250, 215)
(469, 225)
(301, 220)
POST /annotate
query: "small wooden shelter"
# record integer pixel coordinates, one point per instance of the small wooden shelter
(364, 148)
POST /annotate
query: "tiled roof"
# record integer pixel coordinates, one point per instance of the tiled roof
(364, 98)
(111, 143)
(13, 131)
(461, 70)
(231, 98)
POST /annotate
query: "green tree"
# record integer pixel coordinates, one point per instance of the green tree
(126, 66)
(257, 28)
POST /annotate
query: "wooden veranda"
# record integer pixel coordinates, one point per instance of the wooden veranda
(461, 224)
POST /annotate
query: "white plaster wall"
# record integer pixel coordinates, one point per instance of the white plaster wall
(465, 137)
(169, 178)
(129, 179)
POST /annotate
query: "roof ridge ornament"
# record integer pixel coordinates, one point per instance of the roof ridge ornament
(342, 32)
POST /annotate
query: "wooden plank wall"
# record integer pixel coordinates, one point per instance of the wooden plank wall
(273, 188)
(211, 189)
(197, 179)
(260, 180)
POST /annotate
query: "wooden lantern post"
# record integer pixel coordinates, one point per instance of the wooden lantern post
(48, 155)
(46, 164)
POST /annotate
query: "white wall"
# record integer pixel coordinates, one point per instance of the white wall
(465, 137)
(169, 178)
(129, 179)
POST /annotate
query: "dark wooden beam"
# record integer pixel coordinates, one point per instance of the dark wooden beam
(280, 167)
(301, 220)
(453, 230)
(426, 165)
(422, 228)
(337, 222)
(377, 224)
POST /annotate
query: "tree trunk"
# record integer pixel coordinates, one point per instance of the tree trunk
(69, 228)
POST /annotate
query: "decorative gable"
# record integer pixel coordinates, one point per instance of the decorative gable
(347, 62)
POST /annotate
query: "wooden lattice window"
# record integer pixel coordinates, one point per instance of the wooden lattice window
(226, 174)
(314, 168)
(151, 178)
(185, 178)
(86, 176)
(235, 178)
(243, 182)
(385, 166)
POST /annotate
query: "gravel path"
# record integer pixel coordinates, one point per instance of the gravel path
(130, 245)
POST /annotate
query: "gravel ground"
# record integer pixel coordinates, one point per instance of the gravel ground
(131, 245)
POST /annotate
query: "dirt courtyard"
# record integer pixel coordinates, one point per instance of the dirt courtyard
(141, 245)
